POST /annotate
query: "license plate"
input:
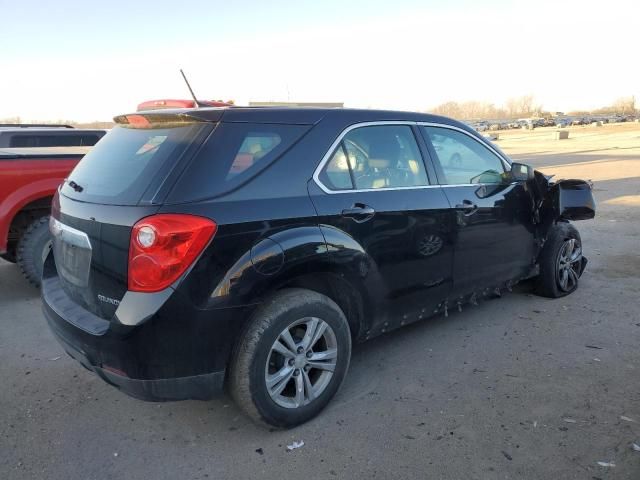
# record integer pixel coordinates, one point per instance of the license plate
(72, 253)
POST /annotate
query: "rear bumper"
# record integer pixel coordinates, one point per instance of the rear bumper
(196, 387)
(180, 352)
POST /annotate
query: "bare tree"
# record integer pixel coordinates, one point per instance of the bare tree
(11, 120)
(448, 109)
(625, 105)
(622, 106)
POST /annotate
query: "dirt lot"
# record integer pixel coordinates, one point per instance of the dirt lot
(520, 387)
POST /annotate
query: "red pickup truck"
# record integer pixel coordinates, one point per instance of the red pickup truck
(29, 178)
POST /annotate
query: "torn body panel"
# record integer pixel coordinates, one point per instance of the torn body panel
(572, 200)
(563, 200)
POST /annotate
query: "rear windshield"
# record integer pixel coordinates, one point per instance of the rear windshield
(234, 154)
(122, 166)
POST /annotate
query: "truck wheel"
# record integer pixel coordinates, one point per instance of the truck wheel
(291, 358)
(33, 248)
(561, 262)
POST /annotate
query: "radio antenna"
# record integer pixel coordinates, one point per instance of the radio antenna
(197, 102)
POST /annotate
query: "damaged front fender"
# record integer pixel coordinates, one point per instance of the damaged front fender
(563, 200)
(572, 200)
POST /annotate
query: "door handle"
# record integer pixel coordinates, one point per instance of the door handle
(359, 212)
(468, 207)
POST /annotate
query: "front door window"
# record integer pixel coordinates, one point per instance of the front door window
(462, 159)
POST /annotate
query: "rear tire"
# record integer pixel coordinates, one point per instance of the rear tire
(33, 247)
(265, 353)
(561, 262)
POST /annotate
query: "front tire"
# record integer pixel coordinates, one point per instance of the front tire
(291, 358)
(561, 262)
(33, 248)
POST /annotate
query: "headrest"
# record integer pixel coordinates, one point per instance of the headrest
(383, 151)
(379, 163)
(338, 163)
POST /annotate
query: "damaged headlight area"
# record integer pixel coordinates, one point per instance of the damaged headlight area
(563, 200)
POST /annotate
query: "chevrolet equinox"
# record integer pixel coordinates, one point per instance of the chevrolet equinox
(248, 248)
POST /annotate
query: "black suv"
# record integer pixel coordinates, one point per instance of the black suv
(249, 247)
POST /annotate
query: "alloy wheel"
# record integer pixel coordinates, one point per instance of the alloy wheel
(301, 362)
(568, 265)
(429, 245)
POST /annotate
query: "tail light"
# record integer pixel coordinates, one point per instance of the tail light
(163, 246)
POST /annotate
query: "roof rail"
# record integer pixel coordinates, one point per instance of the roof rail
(36, 125)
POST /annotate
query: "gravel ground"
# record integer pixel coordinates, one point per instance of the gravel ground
(519, 387)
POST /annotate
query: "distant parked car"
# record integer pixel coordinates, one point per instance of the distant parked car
(33, 136)
(562, 122)
(481, 126)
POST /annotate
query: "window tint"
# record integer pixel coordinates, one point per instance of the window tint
(120, 168)
(462, 159)
(381, 156)
(232, 155)
(336, 175)
(254, 147)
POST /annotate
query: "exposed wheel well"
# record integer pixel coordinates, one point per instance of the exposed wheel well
(337, 288)
(24, 218)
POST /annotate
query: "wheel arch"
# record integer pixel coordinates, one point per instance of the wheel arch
(344, 291)
(317, 258)
(21, 216)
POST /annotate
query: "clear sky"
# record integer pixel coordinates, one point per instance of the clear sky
(83, 60)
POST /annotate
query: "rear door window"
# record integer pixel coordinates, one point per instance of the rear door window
(120, 168)
(376, 157)
(233, 155)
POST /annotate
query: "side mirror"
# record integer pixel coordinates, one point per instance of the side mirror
(521, 172)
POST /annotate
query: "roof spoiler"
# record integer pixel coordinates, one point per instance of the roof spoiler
(166, 118)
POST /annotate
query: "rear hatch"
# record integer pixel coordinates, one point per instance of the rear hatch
(121, 180)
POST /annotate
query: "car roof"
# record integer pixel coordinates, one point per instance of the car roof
(301, 115)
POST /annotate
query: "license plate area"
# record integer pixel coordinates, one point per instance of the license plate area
(72, 253)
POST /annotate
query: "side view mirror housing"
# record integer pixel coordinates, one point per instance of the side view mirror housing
(521, 172)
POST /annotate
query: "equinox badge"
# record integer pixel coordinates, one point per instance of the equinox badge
(112, 301)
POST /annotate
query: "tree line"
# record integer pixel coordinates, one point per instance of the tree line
(94, 124)
(522, 107)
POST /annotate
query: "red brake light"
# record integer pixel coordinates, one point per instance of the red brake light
(163, 246)
(138, 121)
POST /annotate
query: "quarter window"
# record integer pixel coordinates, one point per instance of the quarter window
(337, 175)
(462, 159)
(376, 157)
(254, 146)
